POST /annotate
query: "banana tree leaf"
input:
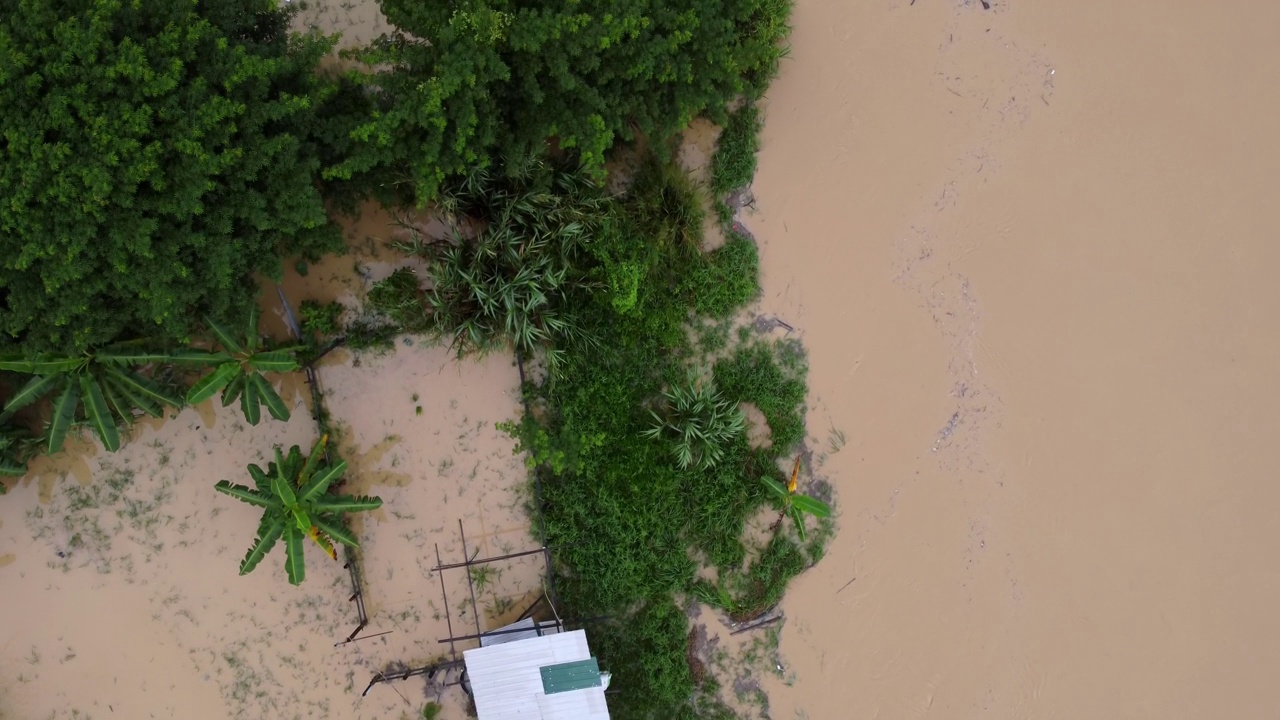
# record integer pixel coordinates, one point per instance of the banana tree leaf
(99, 414)
(269, 531)
(336, 530)
(233, 389)
(129, 357)
(261, 480)
(313, 461)
(210, 384)
(292, 462)
(269, 397)
(64, 411)
(294, 563)
(144, 387)
(346, 503)
(321, 482)
(249, 403)
(798, 518)
(777, 489)
(32, 391)
(251, 332)
(40, 365)
(120, 407)
(273, 361)
(813, 506)
(229, 343)
(199, 357)
(280, 486)
(323, 541)
(9, 468)
(242, 493)
(130, 397)
(301, 518)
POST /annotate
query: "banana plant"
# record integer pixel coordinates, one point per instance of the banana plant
(293, 495)
(237, 371)
(104, 382)
(794, 504)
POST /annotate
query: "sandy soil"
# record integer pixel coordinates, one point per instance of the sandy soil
(1030, 252)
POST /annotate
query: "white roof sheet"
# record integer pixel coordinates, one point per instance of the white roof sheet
(530, 628)
(507, 684)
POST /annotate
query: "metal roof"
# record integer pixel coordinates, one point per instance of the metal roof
(530, 629)
(506, 680)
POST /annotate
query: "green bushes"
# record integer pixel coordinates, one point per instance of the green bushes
(726, 279)
(16, 445)
(734, 163)
(157, 156)
(508, 285)
(697, 422)
(630, 514)
(473, 83)
(648, 656)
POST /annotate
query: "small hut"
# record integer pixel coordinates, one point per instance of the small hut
(536, 676)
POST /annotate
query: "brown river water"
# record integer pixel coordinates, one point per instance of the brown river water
(1028, 251)
(1030, 254)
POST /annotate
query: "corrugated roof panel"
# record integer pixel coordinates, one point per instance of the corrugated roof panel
(506, 680)
(586, 704)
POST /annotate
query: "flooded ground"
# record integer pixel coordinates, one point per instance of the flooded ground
(1028, 249)
(123, 567)
(1030, 252)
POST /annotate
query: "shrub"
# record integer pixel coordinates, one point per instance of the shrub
(155, 155)
(726, 279)
(467, 84)
(733, 165)
(699, 421)
(507, 285)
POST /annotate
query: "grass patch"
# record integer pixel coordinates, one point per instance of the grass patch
(726, 279)
(733, 165)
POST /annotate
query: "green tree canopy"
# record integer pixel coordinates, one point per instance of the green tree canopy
(154, 156)
(468, 80)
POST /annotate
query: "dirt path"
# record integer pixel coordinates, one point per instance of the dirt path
(1029, 249)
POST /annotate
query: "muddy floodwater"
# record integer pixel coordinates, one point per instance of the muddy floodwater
(1031, 251)
(1029, 248)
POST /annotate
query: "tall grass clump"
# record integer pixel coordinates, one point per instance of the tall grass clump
(697, 421)
(513, 254)
(733, 165)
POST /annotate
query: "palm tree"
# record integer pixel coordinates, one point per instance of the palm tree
(237, 371)
(104, 381)
(292, 493)
(794, 504)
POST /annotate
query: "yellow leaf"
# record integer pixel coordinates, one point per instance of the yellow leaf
(795, 476)
(323, 542)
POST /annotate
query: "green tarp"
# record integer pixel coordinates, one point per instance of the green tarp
(576, 675)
